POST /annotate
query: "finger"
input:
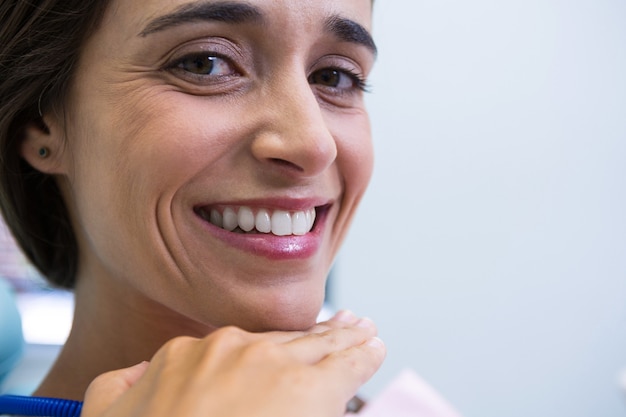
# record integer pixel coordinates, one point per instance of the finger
(308, 345)
(107, 388)
(353, 367)
(314, 347)
(341, 319)
(343, 316)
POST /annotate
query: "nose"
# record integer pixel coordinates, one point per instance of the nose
(294, 136)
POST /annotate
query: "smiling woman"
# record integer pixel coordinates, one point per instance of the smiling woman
(191, 169)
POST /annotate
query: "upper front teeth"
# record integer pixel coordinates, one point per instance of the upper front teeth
(278, 222)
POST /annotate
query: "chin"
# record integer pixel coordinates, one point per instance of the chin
(286, 315)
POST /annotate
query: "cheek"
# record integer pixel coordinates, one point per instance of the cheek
(147, 148)
(355, 154)
(165, 139)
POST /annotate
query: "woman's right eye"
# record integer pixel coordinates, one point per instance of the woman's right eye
(203, 65)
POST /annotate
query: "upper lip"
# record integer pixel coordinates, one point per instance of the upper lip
(276, 203)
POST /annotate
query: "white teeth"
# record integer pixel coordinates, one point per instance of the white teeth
(278, 222)
(229, 219)
(281, 223)
(310, 218)
(299, 223)
(245, 218)
(263, 221)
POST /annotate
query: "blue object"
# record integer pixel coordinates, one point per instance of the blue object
(11, 337)
(39, 406)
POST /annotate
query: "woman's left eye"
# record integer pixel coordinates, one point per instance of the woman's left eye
(204, 65)
(337, 79)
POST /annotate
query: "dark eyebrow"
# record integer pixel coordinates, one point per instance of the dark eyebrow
(350, 31)
(227, 12)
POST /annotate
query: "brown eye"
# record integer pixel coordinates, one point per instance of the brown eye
(203, 64)
(198, 64)
(328, 77)
(337, 79)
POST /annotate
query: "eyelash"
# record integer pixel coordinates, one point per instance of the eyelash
(360, 83)
(176, 64)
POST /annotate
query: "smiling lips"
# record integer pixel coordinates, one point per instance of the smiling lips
(243, 219)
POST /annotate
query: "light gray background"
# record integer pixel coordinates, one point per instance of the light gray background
(491, 246)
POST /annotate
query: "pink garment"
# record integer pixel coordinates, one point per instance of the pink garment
(408, 395)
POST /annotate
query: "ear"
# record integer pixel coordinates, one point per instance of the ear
(43, 145)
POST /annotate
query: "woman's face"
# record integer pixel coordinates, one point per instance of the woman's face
(216, 153)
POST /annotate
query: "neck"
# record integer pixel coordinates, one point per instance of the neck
(111, 330)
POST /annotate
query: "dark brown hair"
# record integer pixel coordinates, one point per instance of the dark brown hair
(40, 42)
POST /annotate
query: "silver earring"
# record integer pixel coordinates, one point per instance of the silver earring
(43, 152)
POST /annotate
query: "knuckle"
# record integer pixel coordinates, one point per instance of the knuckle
(264, 350)
(322, 327)
(174, 348)
(221, 343)
(331, 338)
(228, 335)
(178, 344)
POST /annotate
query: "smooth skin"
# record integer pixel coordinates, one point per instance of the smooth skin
(259, 105)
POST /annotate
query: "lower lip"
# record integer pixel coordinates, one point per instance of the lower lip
(272, 246)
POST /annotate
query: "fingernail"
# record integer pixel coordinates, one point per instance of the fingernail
(344, 316)
(366, 323)
(376, 342)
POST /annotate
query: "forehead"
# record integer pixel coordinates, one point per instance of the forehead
(132, 18)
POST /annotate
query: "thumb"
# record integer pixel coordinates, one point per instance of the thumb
(108, 387)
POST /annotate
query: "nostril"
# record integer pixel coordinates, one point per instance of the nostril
(306, 152)
(286, 164)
